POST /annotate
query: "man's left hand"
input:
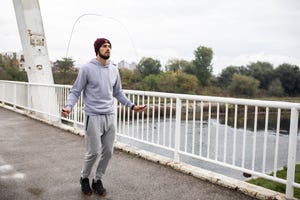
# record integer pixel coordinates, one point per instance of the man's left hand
(139, 108)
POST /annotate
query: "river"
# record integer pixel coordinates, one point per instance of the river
(164, 133)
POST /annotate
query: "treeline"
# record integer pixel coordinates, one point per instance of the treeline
(256, 79)
(9, 69)
(261, 78)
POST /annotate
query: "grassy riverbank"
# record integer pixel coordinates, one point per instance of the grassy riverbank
(278, 186)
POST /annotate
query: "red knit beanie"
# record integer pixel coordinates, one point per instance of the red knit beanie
(98, 43)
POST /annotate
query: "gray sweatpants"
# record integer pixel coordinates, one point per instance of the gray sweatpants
(99, 139)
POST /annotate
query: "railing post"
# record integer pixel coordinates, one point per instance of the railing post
(177, 129)
(27, 107)
(75, 116)
(3, 94)
(116, 117)
(30, 97)
(15, 96)
(292, 153)
(48, 99)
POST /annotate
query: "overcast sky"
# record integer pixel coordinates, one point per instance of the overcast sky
(238, 31)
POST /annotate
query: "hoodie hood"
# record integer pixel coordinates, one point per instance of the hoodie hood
(94, 61)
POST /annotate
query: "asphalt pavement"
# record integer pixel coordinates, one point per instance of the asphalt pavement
(40, 161)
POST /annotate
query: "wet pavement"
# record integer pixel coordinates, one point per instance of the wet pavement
(39, 161)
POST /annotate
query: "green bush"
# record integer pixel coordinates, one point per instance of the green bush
(243, 86)
(275, 88)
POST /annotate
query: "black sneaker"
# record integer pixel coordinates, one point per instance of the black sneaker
(85, 186)
(98, 188)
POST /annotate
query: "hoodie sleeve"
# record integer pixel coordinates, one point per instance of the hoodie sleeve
(119, 94)
(77, 87)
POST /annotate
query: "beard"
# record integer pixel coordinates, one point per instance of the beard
(103, 56)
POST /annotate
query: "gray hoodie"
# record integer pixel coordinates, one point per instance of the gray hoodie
(99, 85)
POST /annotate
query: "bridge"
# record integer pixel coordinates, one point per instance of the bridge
(39, 161)
(182, 147)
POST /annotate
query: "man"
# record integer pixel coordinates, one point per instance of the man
(100, 82)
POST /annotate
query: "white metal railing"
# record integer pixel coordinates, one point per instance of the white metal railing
(222, 131)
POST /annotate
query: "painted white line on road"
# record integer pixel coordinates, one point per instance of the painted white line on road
(5, 168)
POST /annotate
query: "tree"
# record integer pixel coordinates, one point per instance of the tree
(202, 64)
(164, 82)
(13, 74)
(289, 77)
(7, 62)
(9, 69)
(175, 65)
(151, 82)
(148, 66)
(126, 78)
(64, 72)
(64, 65)
(176, 82)
(226, 75)
(243, 85)
(243, 70)
(186, 83)
(275, 88)
(262, 71)
(131, 79)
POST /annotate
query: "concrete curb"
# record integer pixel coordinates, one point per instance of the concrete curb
(215, 178)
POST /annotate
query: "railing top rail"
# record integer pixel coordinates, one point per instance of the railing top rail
(225, 100)
(36, 84)
(239, 101)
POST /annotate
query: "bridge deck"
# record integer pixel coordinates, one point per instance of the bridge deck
(39, 161)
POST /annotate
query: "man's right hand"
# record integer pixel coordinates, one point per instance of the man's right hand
(65, 112)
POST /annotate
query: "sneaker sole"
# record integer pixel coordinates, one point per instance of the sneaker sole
(101, 195)
(87, 193)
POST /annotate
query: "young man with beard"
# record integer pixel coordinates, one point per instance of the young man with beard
(100, 82)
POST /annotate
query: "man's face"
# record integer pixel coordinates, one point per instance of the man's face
(104, 51)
